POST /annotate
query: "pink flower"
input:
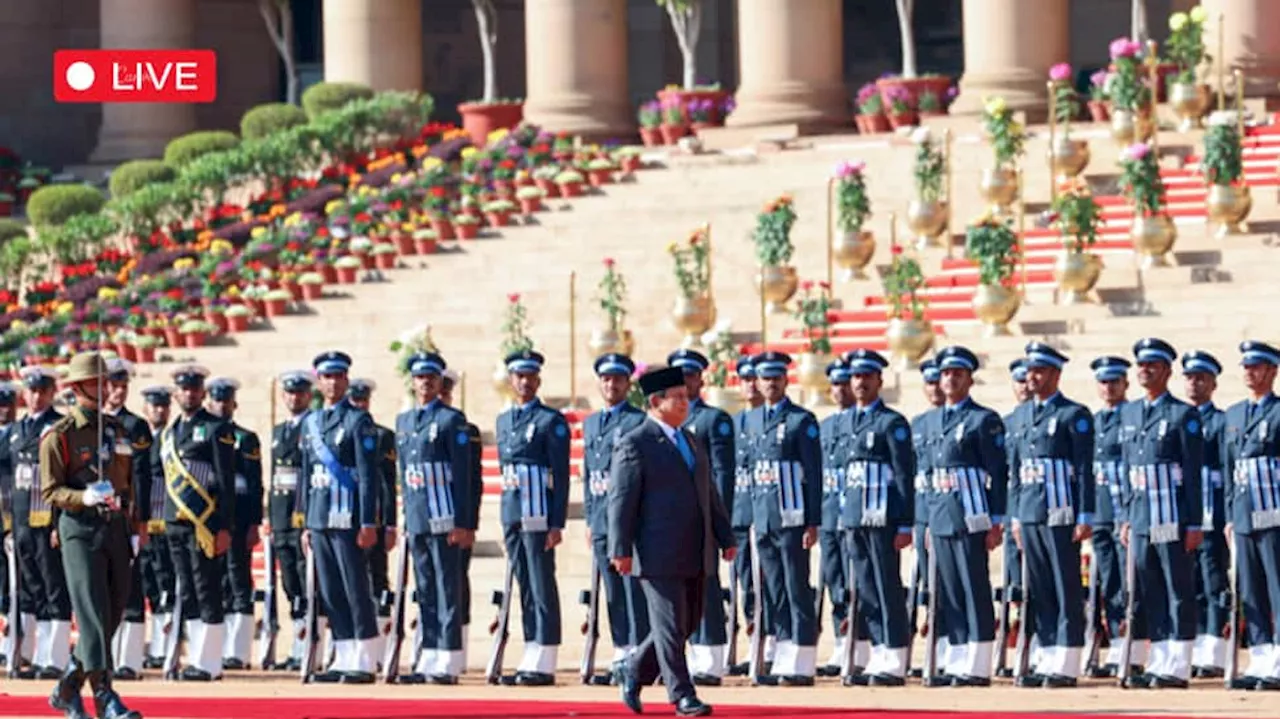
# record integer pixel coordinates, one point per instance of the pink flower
(1124, 47)
(1137, 151)
(1060, 72)
(846, 169)
(641, 368)
(806, 285)
(608, 263)
(824, 285)
(513, 298)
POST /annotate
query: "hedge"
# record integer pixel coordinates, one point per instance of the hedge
(53, 205)
(263, 120)
(183, 149)
(136, 174)
(325, 96)
(11, 228)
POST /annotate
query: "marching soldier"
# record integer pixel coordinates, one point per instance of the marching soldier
(128, 645)
(966, 510)
(284, 521)
(788, 511)
(533, 451)
(434, 457)
(713, 429)
(85, 473)
(8, 411)
(1251, 453)
(930, 377)
(448, 383)
(1051, 504)
(1200, 371)
(158, 581)
(238, 570)
(1110, 474)
(43, 599)
(1163, 450)
(833, 555)
(878, 507)
(199, 458)
(742, 510)
(339, 491)
(1012, 557)
(359, 394)
(628, 612)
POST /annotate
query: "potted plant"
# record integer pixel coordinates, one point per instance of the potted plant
(1099, 100)
(482, 117)
(361, 246)
(530, 199)
(701, 113)
(686, 24)
(600, 171)
(466, 227)
(909, 336)
(570, 183)
(722, 357)
(910, 79)
(902, 109)
(992, 244)
(650, 119)
(777, 280)
(1069, 156)
(384, 255)
(1228, 201)
(1152, 231)
(237, 318)
(1188, 97)
(498, 212)
(442, 225)
(276, 302)
(312, 284)
(515, 338)
(195, 333)
(694, 309)
(1130, 94)
(1077, 216)
(6, 204)
(674, 126)
(627, 159)
(813, 310)
(852, 247)
(544, 178)
(999, 184)
(870, 117)
(928, 212)
(144, 347)
(613, 337)
(213, 314)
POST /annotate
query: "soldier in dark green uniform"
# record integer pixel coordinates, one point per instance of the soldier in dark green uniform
(86, 474)
(359, 394)
(157, 565)
(447, 386)
(284, 519)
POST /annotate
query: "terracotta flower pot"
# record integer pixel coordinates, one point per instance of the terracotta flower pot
(194, 339)
(906, 119)
(127, 351)
(531, 206)
(915, 87)
(426, 245)
(480, 119)
(443, 228)
(347, 275)
(385, 261)
(549, 187)
(312, 292)
(467, 232)
(329, 274)
(630, 163)
(294, 289)
(682, 97)
(237, 323)
(498, 219)
(651, 136)
(571, 189)
(145, 354)
(599, 178)
(173, 337)
(872, 124)
(504, 187)
(275, 308)
(217, 319)
(671, 134)
(404, 244)
(1099, 111)
(366, 260)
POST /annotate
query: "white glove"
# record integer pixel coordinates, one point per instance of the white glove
(97, 493)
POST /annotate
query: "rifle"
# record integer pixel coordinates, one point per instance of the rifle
(175, 630)
(755, 665)
(14, 620)
(731, 653)
(1131, 590)
(270, 627)
(500, 627)
(591, 627)
(931, 617)
(1233, 629)
(818, 600)
(395, 638)
(851, 618)
(311, 627)
(1002, 632)
(913, 601)
(1022, 654)
(1092, 618)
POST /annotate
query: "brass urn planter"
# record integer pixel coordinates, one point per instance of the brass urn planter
(1070, 156)
(724, 398)
(1128, 127)
(1228, 206)
(1076, 274)
(811, 371)
(909, 340)
(610, 341)
(778, 285)
(852, 252)
(693, 317)
(1153, 236)
(999, 188)
(927, 220)
(1189, 102)
(995, 305)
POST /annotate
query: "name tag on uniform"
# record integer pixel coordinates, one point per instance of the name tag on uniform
(1053, 426)
(337, 437)
(242, 484)
(528, 432)
(782, 433)
(960, 433)
(432, 432)
(24, 476)
(285, 478)
(1163, 429)
(199, 434)
(1262, 430)
(871, 439)
(414, 478)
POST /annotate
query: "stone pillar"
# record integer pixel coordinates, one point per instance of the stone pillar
(374, 42)
(1009, 46)
(137, 130)
(1250, 41)
(576, 59)
(791, 64)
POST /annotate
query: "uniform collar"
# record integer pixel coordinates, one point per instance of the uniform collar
(695, 403)
(869, 408)
(774, 407)
(1149, 403)
(1206, 407)
(528, 405)
(958, 405)
(1047, 401)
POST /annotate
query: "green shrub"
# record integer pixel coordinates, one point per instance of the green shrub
(185, 148)
(263, 120)
(11, 228)
(136, 174)
(53, 205)
(325, 96)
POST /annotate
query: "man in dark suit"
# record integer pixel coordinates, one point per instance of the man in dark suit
(662, 506)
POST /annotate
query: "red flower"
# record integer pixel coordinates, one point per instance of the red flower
(608, 262)
(438, 191)
(896, 250)
(513, 298)
(806, 285)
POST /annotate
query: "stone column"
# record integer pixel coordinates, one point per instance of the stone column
(791, 64)
(576, 58)
(374, 42)
(1009, 46)
(1251, 42)
(136, 130)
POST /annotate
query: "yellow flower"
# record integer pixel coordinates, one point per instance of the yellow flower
(1199, 14)
(996, 106)
(257, 232)
(66, 308)
(497, 135)
(332, 206)
(293, 219)
(1177, 21)
(432, 163)
(672, 248)
(107, 293)
(221, 247)
(467, 153)
(17, 325)
(185, 263)
(1015, 128)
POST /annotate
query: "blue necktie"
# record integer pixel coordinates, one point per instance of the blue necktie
(1248, 412)
(768, 414)
(683, 446)
(946, 415)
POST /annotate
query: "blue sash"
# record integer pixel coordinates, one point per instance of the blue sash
(342, 486)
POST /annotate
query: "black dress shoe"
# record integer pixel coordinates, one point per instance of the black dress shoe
(795, 680)
(828, 670)
(1139, 680)
(1163, 681)
(739, 670)
(106, 701)
(233, 664)
(414, 678)
(938, 680)
(447, 680)
(1032, 680)
(535, 679)
(126, 674)
(356, 677)
(970, 681)
(600, 680)
(1059, 681)
(857, 680)
(1004, 673)
(66, 695)
(153, 663)
(195, 674)
(692, 707)
(629, 686)
(1267, 685)
(886, 680)
(329, 677)
(1246, 684)
(707, 680)
(48, 673)
(292, 664)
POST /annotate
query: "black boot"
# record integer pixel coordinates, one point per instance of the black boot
(106, 700)
(66, 694)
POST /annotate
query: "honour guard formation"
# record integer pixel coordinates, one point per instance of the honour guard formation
(1140, 539)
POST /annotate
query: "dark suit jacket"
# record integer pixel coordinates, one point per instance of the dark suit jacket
(660, 513)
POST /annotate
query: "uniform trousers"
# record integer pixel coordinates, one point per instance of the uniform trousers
(535, 573)
(1164, 603)
(1012, 558)
(921, 548)
(96, 553)
(4, 573)
(1213, 599)
(881, 603)
(784, 564)
(742, 572)
(674, 604)
(238, 575)
(343, 578)
(464, 603)
(135, 608)
(833, 563)
(43, 589)
(1055, 597)
(1109, 556)
(199, 575)
(964, 598)
(624, 598)
(292, 564)
(376, 556)
(157, 573)
(437, 569)
(1258, 578)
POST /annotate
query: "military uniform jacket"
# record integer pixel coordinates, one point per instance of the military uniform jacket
(69, 457)
(6, 482)
(286, 468)
(248, 478)
(787, 467)
(533, 452)
(713, 428)
(387, 473)
(433, 450)
(140, 441)
(156, 494)
(1250, 450)
(206, 447)
(475, 455)
(339, 483)
(968, 469)
(600, 433)
(832, 433)
(741, 514)
(1109, 472)
(880, 470)
(1212, 472)
(1163, 452)
(29, 508)
(1050, 451)
(924, 474)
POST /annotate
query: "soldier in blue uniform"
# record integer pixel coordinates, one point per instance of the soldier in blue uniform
(624, 599)
(713, 429)
(449, 381)
(154, 558)
(1110, 475)
(1251, 455)
(930, 377)
(533, 451)
(1011, 556)
(284, 521)
(833, 558)
(360, 394)
(1051, 502)
(339, 495)
(967, 494)
(740, 514)
(1163, 451)
(8, 412)
(787, 491)
(1200, 371)
(434, 457)
(879, 504)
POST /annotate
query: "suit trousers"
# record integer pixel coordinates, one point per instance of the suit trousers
(1258, 574)
(200, 576)
(1164, 606)
(785, 565)
(376, 556)
(237, 577)
(1056, 594)
(1213, 595)
(964, 596)
(674, 606)
(157, 573)
(344, 588)
(882, 607)
(292, 564)
(624, 598)
(1110, 556)
(535, 573)
(742, 572)
(43, 590)
(96, 552)
(833, 562)
(437, 574)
